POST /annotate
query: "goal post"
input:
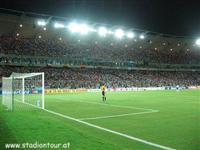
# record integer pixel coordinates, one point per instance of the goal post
(7, 92)
(27, 88)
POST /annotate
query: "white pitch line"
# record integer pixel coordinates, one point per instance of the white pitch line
(105, 129)
(120, 115)
(112, 105)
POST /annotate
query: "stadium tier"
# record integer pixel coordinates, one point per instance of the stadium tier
(25, 35)
(93, 78)
(100, 50)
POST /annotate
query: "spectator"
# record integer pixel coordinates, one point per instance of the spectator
(93, 78)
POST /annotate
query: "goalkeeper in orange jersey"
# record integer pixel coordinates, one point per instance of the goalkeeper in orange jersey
(103, 89)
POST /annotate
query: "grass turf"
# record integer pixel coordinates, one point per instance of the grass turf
(176, 125)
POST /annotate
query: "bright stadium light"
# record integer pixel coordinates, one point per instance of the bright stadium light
(73, 27)
(58, 25)
(41, 23)
(110, 32)
(93, 30)
(141, 36)
(119, 33)
(130, 35)
(198, 42)
(81, 28)
(84, 29)
(102, 31)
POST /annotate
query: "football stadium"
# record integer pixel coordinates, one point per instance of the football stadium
(82, 85)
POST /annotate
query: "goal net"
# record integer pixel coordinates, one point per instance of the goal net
(7, 95)
(22, 89)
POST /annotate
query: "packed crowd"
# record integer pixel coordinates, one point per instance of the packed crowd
(110, 50)
(94, 78)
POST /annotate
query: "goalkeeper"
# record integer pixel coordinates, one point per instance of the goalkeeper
(103, 89)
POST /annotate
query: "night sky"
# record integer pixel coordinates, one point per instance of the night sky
(176, 17)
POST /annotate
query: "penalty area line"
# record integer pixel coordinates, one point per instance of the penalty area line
(112, 105)
(105, 129)
(120, 115)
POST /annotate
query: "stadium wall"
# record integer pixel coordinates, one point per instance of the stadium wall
(60, 91)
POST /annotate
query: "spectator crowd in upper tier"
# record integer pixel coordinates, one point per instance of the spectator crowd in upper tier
(111, 50)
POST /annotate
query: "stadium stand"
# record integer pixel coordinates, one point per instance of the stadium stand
(93, 78)
(71, 61)
(91, 50)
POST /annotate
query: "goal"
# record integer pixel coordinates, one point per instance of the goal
(23, 88)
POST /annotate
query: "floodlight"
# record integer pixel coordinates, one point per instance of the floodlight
(141, 36)
(102, 31)
(110, 32)
(41, 23)
(198, 42)
(119, 33)
(58, 25)
(73, 27)
(93, 30)
(84, 29)
(130, 35)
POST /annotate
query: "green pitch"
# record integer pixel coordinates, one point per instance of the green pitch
(166, 118)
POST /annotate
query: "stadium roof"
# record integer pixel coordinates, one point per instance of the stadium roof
(29, 16)
(24, 24)
(172, 16)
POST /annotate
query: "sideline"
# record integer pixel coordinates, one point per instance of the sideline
(105, 129)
